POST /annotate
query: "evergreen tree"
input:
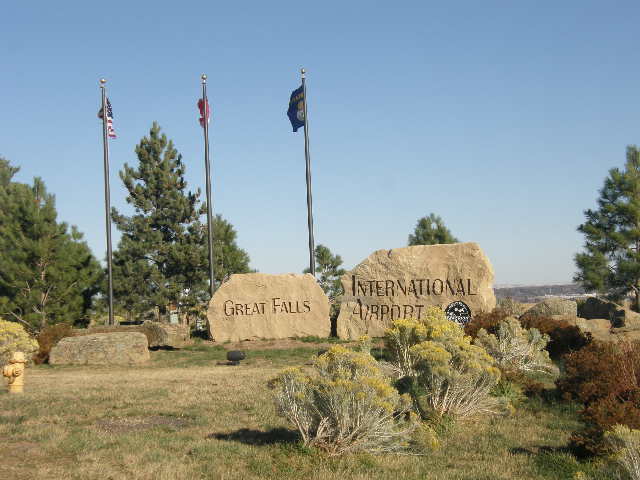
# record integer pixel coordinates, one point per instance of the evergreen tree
(610, 262)
(47, 273)
(431, 231)
(228, 257)
(329, 270)
(162, 256)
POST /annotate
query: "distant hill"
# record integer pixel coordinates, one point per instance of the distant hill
(533, 293)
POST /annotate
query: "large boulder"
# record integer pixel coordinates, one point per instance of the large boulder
(158, 334)
(117, 348)
(599, 328)
(258, 305)
(553, 306)
(401, 283)
(620, 316)
(594, 307)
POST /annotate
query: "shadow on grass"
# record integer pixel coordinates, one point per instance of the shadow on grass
(538, 450)
(258, 437)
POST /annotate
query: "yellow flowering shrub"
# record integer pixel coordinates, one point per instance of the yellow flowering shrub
(13, 338)
(345, 405)
(446, 373)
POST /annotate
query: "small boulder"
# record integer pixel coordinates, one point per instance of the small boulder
(595, 307)
(165, 334)
(626, 318)
(553, 306)
(117, 348)
(599, 328)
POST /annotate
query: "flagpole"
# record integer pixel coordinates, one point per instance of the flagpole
(312, 262)
(107, 197)
(212, 281)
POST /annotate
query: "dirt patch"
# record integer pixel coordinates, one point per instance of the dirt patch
(136, 424)
(18, 449)
(14, 466)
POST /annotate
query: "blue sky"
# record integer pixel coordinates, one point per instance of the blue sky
(502, 117)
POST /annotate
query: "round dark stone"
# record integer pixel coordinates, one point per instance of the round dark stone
(235, 355)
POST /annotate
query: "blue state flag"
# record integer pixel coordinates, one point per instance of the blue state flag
(296, 109)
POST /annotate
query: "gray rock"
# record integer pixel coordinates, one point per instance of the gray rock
(118, 348)
(158, 334)
(553, 306)
(595, 307)
(626, 318)
(620, 316)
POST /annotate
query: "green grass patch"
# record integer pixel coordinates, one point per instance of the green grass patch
(314, 339)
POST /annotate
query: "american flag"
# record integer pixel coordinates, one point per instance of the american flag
(110, 130)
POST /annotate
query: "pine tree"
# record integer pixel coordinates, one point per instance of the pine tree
(610, 262)
(228, 257)
(162, 255)
(431, 231)
(329, 270)
(47, 273)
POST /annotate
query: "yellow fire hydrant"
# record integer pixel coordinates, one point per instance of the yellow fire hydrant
(15, 373)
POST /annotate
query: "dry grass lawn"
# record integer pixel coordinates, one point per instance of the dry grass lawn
(183, 417)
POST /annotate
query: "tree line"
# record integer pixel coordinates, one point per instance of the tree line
(48, 274)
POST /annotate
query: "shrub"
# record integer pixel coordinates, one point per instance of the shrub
(516, 348)
(488, 321)
(530, 387)
(599, 370)
(606, 379)
(564, 337)
(48, 337)
(511, 307)
(444, 373)
(13, 338)
(346, 406)
(510, 391)
(625, 444)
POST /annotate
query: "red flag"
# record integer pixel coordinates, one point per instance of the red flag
(204, 111)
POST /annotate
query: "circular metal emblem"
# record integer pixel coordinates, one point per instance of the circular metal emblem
(458, 312)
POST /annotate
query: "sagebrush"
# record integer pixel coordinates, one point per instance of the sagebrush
(624, 443)
(516, 348)
(443, 371)
(347, 405)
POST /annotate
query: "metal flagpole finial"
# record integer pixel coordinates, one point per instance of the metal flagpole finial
(102, 82)
(204, 78)
(302, 71)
